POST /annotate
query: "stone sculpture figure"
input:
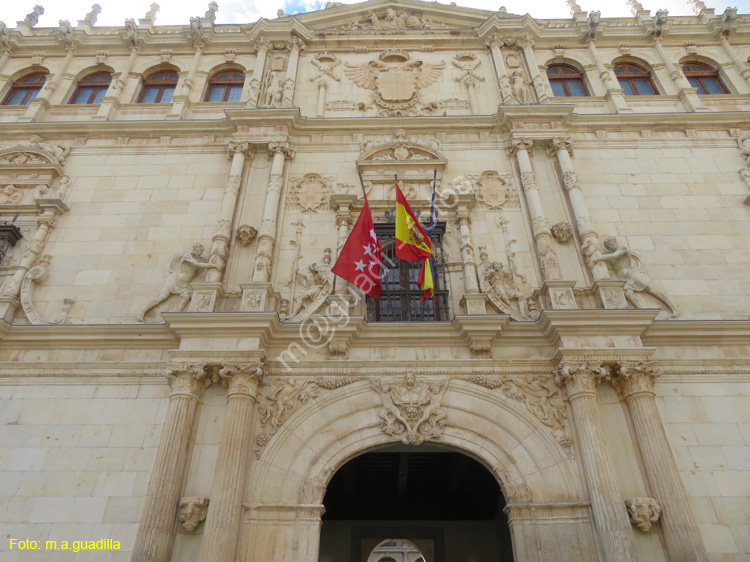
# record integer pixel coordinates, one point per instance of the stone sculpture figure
(182, 270)
(274, 91)
(499, 285)
(518, 88)
(317, 283)
(32, 18)
(628, 267)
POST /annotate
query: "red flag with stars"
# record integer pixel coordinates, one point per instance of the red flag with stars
(359, 260)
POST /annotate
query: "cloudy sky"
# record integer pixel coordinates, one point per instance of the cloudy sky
(114, 12)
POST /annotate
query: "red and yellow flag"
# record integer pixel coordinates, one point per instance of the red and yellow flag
(413, 244)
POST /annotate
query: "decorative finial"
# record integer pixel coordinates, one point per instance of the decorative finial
(635, 7)
(698, 6)
(91, 17)
(151, 14)
(213, 7)
(33, 18)
(575, 9)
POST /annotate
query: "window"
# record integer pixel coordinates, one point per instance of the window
(92, 88)
(636, 81)
(703, 77)
(25, 89)
(566, 81)
(159, 87)
(225, 86)
(400, 295)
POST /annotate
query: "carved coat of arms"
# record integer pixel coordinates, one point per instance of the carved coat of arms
(395, 79)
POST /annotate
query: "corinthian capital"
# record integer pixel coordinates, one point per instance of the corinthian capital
(580, 377)
(275, 148)
(516, 145)
(242, 378)
(187, 379)
(237, 147)
(297, 42)
(633, 378)
(560, 143)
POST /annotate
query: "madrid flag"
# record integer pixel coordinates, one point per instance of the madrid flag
(359, 260)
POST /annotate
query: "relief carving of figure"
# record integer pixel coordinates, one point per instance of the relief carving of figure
(518, 88)
(274, 90)
(499, 285)
(60, 152)
(462, 185)
(317, 284)
(182, 269)
(629, 268)
(192, 511)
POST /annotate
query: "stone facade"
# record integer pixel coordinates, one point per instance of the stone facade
(182, 373)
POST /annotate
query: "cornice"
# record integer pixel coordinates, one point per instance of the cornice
(89, 336)
(698, 332)
(592, 322)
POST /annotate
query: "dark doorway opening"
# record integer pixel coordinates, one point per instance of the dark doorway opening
(444, 502)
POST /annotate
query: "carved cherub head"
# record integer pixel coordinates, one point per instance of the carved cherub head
(644, 512)
(192, 512)
(197, 250)
(497, 266)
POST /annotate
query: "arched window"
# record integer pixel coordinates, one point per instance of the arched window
(159, 87)
(636, 81)
(25, 89)
(225, 86)
(703, 77)
(566, 81)
(92, 88)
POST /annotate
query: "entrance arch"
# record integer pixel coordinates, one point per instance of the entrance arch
(288, 480)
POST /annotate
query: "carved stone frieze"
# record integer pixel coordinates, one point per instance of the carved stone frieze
(401, 148)
(395, 80)
(191, 513)
(310, 193)
(644, 512)
(34, 151)
(36, 276)
(392, 19)
(411, 407)
(282, 397)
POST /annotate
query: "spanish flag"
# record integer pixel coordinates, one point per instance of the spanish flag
(413, 244)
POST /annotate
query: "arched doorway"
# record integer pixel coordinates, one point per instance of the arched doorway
(445, 504)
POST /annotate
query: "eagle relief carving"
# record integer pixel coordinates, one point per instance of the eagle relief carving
(396, 80)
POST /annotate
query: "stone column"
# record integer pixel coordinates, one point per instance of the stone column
(473, 300)
(688, 94)
(158, 525)
(41, 101)
(261, 47)
(579, 380)
(494, 43)
(322, 89)
(111, 99)
(205, 293)
(5, 56)
(342, 204)
(536, 78)
(221, 534)
(181, 99)
(608, 78)
(279, 152)
(297, 45)
(548, 261)
(738, 64)
(634, 383)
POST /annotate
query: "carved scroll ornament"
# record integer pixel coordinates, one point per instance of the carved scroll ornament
(37, 275)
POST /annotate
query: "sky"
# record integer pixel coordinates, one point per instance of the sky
(176, 12)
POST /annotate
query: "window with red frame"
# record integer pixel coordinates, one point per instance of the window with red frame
(159, 87)
(92, 88)
(25, 89)
(634, 80)
(566, 81)
(225, 86)
(703, 77)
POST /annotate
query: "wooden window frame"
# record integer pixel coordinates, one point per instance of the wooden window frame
(29, 87)
(161, 85)
(631, 78)
(565, 78)
(699, 75)
(408, 294)
(226, 83)
(96, 87)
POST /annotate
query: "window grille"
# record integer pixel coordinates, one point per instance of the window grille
(400, 295)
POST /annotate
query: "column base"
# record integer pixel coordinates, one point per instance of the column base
(204, 296)
(610, 293)
(559, 294)
(256, 297)
(8, 307)
(474, 303)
